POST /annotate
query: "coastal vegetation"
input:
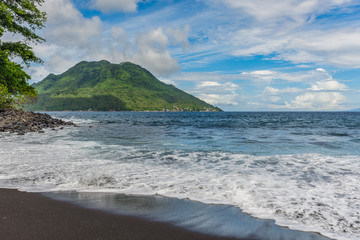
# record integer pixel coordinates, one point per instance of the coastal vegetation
(103, 86)
(20, 18)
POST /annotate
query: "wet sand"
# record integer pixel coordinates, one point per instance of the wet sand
(34, 216)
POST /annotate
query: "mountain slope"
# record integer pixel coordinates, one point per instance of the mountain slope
(103, 86)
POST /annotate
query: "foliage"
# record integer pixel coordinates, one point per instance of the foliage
(5, 97)
(8, 100)
(102, 86)
(20, 17)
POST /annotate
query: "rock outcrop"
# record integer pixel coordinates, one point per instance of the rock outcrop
(20, 122)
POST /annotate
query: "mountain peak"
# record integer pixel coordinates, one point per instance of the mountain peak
(104, 86)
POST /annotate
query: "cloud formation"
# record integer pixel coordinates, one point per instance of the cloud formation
(330, 85)
(213, 87)
(292, 31)
(217, 93)
(319, 101)
(269, 76)
(152, 53)
(297, 10)
(108, 6)
(180, 35)
(66, 26)
(336, 47)
(323, 93)
(217, 99)
(71, 37)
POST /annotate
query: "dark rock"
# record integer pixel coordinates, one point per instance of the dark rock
(20, 122)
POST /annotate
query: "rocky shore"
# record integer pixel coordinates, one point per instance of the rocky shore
(20, 122)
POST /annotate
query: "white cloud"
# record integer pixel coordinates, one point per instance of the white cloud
(297, 10)
(47, 49)
(120, 40)
(219, 99)
(274, 97)
(213, 87)
(261, 75)
(339, 47)
(59, 63)
(159, 63)
(108, 6)
(308, 101)
(152, 53)
(275, 91)
(204, 77)
(320, 70)
(269, 76)
(60, 11)
(322, 93)
(317, 101)
(37, 72)
(208, 84)
(66, 26)
(155, 39)
(330, 85)
(313, 91)
(180, 36)
(71, 37)
(271, 91)
(289, 30)
(78, 33)
(217, 93)
(119, 34)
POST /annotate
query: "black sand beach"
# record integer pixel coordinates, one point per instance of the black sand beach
(33, 216)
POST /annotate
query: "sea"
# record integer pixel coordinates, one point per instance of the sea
(269, 175)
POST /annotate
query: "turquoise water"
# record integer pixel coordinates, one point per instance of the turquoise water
(300, 169)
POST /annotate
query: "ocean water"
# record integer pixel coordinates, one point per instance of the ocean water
(300, 169)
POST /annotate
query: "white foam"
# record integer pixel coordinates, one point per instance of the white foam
(306, 191)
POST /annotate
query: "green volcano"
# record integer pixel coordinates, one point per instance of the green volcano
(103, 86)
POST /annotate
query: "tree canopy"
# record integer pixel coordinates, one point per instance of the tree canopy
(21, 18)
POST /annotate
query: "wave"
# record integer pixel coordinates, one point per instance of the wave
(312, 192)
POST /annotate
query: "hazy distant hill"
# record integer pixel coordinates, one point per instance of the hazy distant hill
(103, 86)
(355, 110)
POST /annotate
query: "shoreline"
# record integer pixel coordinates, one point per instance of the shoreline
(34, 216)
(44, 155)
(96, 215)
(213, 219)
(20, 122)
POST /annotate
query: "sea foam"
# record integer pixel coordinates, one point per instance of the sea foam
(304, 191)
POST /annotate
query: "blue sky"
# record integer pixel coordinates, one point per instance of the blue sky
(240, 55)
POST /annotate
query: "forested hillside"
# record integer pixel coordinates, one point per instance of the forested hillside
(103, 86)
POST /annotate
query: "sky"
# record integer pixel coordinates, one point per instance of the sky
(239, 55)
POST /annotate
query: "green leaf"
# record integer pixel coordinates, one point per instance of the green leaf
(18, 17)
